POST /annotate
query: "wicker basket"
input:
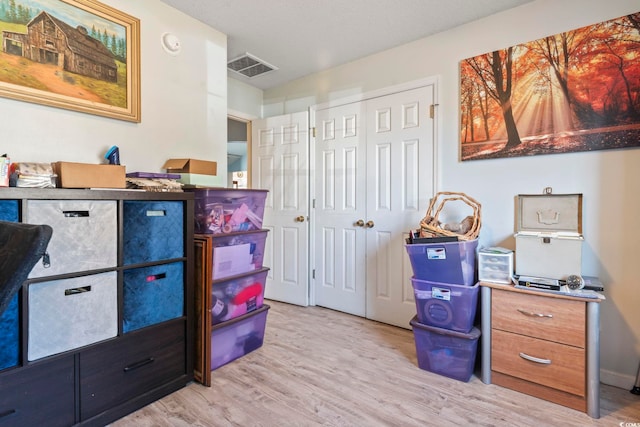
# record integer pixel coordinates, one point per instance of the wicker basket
(430, 225)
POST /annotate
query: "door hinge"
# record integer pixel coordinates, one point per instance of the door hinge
(313, 273)
(313, 131)
(313, 204)
(432, 110)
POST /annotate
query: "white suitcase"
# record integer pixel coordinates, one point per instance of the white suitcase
(549, 235)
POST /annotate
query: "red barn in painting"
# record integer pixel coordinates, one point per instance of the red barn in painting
(51, 41)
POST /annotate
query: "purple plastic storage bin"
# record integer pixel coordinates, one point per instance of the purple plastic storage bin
(447, 262)
(224, 210)
(445, 352)
(238, 253)
(237, 295)
(238, 337)
(446, 305)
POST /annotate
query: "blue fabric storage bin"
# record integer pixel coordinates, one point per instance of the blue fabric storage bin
(152, 295)
(9, 210)
(9, 320)
(10, 339)
(153, 231)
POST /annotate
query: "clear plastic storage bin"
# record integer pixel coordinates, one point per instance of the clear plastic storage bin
(446, 262)
(224, 210)
(445, 305)
(444, 352)
(238, 337)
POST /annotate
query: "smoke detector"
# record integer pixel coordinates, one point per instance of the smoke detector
(250, 66)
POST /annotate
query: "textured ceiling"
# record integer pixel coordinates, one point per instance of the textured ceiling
(301, 37)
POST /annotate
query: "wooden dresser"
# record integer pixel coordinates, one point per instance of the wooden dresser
(542, 344)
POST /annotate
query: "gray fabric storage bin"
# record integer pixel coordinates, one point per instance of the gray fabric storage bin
(71, 313)
(84, 234)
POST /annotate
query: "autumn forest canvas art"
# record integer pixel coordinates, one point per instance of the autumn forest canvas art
(574, 91)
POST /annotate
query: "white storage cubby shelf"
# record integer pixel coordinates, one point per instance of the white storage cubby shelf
(108, 327)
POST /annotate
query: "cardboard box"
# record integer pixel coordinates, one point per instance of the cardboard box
(86, 175)
(200, 180)
(194, 166)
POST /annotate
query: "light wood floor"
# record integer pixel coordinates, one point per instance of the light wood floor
(322, 367)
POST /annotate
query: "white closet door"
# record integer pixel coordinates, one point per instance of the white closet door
(340, 195)
(374, 169)
(399, 187)
(280, 164)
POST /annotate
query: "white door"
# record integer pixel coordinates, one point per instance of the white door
(280, 164)
(339, 214)
(374, 180)
(399, 187)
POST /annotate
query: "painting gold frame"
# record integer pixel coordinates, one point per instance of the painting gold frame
(80, 55)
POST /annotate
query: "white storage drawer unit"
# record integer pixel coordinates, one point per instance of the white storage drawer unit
(84, 234)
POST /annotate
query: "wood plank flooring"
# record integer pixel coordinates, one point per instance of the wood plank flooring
(322, 367)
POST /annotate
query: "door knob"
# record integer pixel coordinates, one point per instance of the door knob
(299, 218)
(370, 224)
(359, 223)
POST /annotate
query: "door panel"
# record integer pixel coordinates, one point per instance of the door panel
(399, 167)
(280, 153)
(340, 203)
(374, 162)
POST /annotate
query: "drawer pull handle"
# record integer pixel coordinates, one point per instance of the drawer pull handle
(139, 364)
(8, 413)
(530, 314)
(75, 291)
(535, 359)
(75, 214)
(153, 277)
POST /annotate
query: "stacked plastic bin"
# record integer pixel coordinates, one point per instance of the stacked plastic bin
(238, 315)
(446, 298)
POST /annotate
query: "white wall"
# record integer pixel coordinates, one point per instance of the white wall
(609, 180)
(184, 104)
(244, 101)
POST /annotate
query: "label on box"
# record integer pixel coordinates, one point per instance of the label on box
(436, 253)
(441, 293)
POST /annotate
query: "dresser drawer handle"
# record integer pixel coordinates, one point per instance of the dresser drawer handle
(530, 314)
(7, 413)
(535, 359)
(139, 364)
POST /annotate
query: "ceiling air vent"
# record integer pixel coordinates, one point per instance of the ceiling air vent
(249, 66)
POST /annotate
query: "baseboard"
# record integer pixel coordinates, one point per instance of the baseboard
(617, 380)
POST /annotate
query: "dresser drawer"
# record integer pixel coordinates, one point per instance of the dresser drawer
(40, 395)
(561, 367)
(118, 371)
(552, 319)
(84, 234)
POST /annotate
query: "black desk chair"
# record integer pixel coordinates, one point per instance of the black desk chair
(21, 246)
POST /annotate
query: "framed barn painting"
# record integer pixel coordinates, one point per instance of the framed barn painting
(79, 55)
(574, 91)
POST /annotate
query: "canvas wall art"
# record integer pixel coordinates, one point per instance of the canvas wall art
(574, 91)
(80, 55)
